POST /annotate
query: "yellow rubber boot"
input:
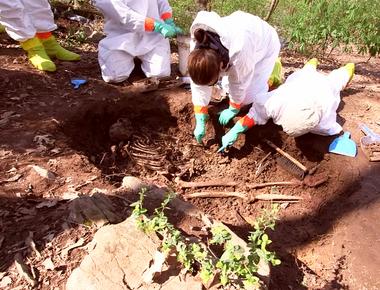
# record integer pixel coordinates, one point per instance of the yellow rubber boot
(37, 55)
(313, 62)
(350, 67)
(275, 78)
(2, 28)
(53, 49)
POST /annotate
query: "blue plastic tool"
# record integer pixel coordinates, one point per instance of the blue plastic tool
(371, 137)
(343, 145)
(221, 149)
(78, 82)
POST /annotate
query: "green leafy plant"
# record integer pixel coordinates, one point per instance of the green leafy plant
(236, 265)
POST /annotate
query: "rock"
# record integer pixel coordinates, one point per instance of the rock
(121, 255)
(132, 183)
(96, 209)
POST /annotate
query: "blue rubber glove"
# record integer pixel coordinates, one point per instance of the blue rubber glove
(200, 126)
(170, 21)
(227, 115)
(165, 29)
(230, 138)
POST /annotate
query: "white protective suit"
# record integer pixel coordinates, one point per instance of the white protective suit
(253, 47)
(307, 102)
(24, 18)
(126, 39)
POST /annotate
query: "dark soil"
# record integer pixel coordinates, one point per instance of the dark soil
(327, 240)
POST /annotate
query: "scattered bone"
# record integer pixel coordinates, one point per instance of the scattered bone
(275, 183)
(11, 179)
(266, 197)
(217, 194)
(65, 251)
(44, 172)
(185, 184)
(30, 243)
(24, 271)
(261, 166)
(48, 264)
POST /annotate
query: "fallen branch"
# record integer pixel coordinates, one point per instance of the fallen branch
(186, 184)
(220, 194)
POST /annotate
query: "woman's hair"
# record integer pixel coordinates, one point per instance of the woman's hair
(204, 62)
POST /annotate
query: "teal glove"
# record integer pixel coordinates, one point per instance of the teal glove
(232, 135)
(227, 115)
(165, 29)
(200, 127)
(170, 21)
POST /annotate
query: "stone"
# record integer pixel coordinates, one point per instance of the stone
(121, 255)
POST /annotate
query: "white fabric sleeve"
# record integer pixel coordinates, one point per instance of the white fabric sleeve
(240, 75)
(164, 7)
(200, 95)
(117, 9)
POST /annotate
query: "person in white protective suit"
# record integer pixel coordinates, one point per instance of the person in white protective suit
(241, 48)
(305, 103)
(31, 22)
(135, 28)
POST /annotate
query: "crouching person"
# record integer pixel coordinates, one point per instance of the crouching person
(305, 103)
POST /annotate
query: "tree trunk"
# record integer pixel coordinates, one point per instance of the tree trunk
(273, 6)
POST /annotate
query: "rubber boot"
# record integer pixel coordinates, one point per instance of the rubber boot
(2, 28)
(53, 49)
(275, 79)
(37, 55)
(313, 62)
(350, 68)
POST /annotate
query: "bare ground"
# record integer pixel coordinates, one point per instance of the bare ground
(328, 240)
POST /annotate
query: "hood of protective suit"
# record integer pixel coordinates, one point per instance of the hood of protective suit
(211, 21)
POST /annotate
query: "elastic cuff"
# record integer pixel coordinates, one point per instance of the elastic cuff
(235, 105)
(200, 110)
(43, 35)
(166, 15)
(149, 24)
(247, 122)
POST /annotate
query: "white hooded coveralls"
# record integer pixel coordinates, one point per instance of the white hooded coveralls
(126, 39)
(253, 47)
(24, 18)
(307, 102)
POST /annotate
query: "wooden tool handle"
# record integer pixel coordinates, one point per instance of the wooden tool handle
(283, 153)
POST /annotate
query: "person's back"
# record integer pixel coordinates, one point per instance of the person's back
(249, 28)
(307, 102)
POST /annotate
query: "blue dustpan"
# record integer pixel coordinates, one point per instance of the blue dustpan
(343, 145)
(78, 82)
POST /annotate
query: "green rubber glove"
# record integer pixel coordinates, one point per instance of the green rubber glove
(227, 115)
(230, 138)
(170, 21)
(165, 29)
(200, 126)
